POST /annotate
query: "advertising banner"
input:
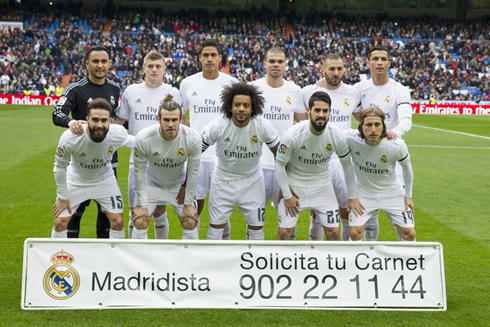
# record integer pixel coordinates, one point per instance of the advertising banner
(104, 274)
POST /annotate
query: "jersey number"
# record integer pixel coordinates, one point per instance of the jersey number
(117, 202)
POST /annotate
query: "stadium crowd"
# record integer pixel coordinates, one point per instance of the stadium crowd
(438, 59)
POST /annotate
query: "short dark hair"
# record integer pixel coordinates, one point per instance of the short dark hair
(331, 56)
(379, 48)
(209, 43)
(95, 48)
(319, 96)
(275, 50)
(168, 103)
(240, 88)
(371, 112)
(99, 103)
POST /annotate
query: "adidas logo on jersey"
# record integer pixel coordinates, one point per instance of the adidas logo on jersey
(194, 94)
(303, 147)
(138, 101)
(83, 155)
(227, 140)
(357, 153)
(156, 153)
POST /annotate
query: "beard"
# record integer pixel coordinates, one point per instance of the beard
(98, 138)
(316, 127)
(330, 82)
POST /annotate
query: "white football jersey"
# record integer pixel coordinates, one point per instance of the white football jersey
(393, 98)
(139, 104)
(239, 148)
(374, 166)
(281, 103)
(344, 100)
(86, 162)
(202, 98)
(307, 155)
(163, 163)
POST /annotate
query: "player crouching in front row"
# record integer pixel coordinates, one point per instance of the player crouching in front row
(305, 150)
(83, 171)
(165, 153)
(378, 186)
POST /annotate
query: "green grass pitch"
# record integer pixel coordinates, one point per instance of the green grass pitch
(451, 194)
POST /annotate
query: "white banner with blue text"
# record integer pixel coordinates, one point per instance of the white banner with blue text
(122, 274)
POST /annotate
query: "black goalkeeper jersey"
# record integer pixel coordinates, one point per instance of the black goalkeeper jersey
(78, 95)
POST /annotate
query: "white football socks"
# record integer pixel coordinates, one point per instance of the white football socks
(161, 227)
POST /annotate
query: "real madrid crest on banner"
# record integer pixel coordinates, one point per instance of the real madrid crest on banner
(61, 280)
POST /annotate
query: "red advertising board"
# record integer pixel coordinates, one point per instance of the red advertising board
(417, 108)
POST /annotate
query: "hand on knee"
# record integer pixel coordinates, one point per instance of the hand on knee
(188, 223)
(140, 222)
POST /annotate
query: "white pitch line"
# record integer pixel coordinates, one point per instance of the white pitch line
(455, 132)
(448, 147)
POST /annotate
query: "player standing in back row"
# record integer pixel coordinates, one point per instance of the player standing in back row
(140, 104)
(75, 99)
(345, 98)
(393, 99)
(201, 96)
(282, 107)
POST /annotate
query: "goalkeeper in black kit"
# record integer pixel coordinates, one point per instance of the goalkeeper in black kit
(75, 99)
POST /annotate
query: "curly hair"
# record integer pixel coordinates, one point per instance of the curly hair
(240, 88)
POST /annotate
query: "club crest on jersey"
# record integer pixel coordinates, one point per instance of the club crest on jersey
(383, 159)
(61, 281)
(328, 147)
(204, 136)
(110, 150)
(136, 152)
(181, 152)
(61, 101)
(279, 219)
(60, 152)
(346, 102)
(255, 139)
(288, 100)
(387, 99)
(112, 101)
(282, 148)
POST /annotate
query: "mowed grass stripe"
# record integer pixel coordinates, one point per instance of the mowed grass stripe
(450, 194)
(477, 125)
